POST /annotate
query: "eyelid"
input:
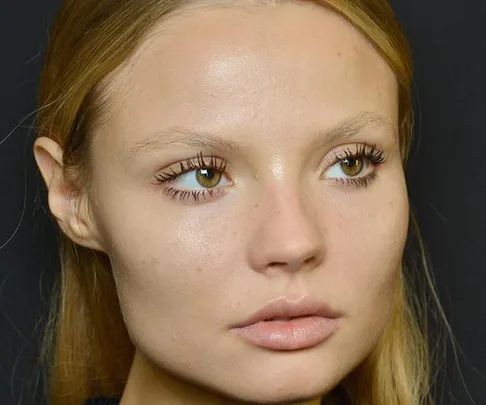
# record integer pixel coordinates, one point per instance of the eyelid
(195, 163)
(165, 179)
(341, 152)
(373, 155)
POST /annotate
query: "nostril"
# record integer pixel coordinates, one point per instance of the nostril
(277, 264)
(309, 260)
(293, 266)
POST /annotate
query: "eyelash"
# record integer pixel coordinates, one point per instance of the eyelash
(371, 153)
(186, 166)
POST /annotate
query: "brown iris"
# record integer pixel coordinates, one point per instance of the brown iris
(352, 166)
(208, 177)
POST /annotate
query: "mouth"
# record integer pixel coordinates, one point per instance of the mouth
(285, 325)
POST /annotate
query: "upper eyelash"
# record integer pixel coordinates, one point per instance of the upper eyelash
(200, 162)
(370, 152)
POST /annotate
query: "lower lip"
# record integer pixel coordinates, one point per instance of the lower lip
(295, 334)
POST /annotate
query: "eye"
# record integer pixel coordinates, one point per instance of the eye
(194, 179)
(356, 165)
(205, 177)
(349, 167)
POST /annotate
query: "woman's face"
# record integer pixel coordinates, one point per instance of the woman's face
(250, 158)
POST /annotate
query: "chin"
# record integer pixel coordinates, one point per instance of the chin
(272, 391)
(279, 401)
(281, 397)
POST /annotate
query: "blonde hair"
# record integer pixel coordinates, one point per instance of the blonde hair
(87, 345)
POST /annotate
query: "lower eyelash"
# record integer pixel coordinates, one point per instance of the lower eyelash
(358, 181)
(185, 195)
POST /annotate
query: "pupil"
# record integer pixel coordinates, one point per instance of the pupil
(352, 166)
(207, 173)
(208, 177)
(352, 163)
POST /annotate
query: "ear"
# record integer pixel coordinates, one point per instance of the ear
(67, 204)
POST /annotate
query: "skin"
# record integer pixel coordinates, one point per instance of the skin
(268, 84)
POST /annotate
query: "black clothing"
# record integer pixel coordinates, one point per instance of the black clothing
(102, 401)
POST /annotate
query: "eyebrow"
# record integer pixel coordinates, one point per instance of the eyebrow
(355, 125)
(177, 136)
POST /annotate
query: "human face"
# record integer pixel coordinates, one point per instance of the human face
(272, 100)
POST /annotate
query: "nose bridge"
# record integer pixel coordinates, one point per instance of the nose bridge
(287, 233)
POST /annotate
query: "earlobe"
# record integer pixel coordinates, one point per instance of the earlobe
(67, 204)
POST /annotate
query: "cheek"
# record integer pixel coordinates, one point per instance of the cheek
(364, 262)
(367, 251)
(171, 263)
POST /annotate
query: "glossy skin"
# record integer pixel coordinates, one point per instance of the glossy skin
(267, 85)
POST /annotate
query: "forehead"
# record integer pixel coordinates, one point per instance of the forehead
(257, 69)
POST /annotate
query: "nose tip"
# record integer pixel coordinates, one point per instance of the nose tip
(287, 238)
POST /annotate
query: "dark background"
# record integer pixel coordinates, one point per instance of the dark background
(447, 181)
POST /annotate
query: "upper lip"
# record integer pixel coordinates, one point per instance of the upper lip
(287, 308)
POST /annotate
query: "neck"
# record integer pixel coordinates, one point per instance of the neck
(147, 385)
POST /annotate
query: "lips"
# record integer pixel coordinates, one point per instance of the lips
(284, 309)
(285, 325)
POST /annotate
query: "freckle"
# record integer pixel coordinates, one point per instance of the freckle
(198, 269)
(256, 205)
(339, 54)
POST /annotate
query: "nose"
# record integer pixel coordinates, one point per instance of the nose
(287, 236)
